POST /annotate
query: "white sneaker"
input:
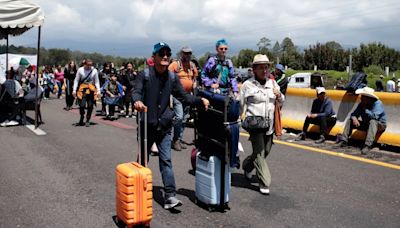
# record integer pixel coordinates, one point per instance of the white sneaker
(12, 123)
(264, 190)
(4, 124)
(154, 148)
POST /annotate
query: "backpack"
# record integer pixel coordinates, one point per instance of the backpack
(180, 66)
(357, 81)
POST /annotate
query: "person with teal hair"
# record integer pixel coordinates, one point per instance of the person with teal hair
(218, 73)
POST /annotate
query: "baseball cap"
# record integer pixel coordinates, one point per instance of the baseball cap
(186, 49)
(280, 67)
(320, 90)
(161, 45)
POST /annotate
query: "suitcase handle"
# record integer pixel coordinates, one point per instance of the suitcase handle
(145, 138)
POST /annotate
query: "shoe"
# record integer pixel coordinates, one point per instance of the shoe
(365, 150)
(176, 145)
(264, 190)
(172, 202)
(87, 124)
(248, 175)
(81, 123)
(12, 123)
(301, 137)
(320, 140)
(4, 124)
(342, 143)
(127, 116)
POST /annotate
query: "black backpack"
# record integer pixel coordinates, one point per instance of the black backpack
(357, 81)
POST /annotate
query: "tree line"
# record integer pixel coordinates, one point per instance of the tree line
(326, 56)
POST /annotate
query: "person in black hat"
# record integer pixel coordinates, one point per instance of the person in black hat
(152, 91)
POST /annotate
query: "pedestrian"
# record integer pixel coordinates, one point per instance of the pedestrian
(369, 116)
(321, 114)
(104, 76)
(59, 79)
(398, 85)
(280, 78)
(257, 98)
(379, 84)
(186, 71)
(218, 72)
(69, 77)
(128, 81)
(48, 82)
(391, 85)
(113, 95)
(152, 91)
(86, 89)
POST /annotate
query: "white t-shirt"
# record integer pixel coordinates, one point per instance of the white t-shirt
(398, 86)
(82, 73)
(390, 86)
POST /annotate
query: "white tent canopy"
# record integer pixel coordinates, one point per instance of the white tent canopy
(17, 16)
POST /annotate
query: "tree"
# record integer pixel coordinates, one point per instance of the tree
(328, 56)
(276, 50)
(290, 56)
(245, 57)
(263, 45)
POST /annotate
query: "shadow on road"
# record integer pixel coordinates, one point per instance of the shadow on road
(238, 180)
(158, 197)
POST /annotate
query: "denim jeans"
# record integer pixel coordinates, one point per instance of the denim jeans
(181, 114)
(163, 142)
(59, 84)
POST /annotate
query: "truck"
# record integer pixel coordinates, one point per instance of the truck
(306, 80)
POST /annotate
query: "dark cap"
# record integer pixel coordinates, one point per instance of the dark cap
(161, 45)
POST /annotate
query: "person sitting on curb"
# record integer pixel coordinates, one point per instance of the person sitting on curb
(322, 114)
(369, 116)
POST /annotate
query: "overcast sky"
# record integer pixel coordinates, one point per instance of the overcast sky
(131, 27)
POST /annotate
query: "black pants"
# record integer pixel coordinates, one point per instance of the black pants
(69, 99)
(323, 122)
(87, 99)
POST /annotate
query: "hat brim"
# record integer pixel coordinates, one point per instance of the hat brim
(262, 62)
(363, 93)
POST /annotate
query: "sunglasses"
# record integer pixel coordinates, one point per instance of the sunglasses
(164, 53)
(223, 49)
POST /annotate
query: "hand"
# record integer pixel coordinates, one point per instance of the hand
(215, 86)
(236, 95)
(206, 103)
(276, 92)
(139, 106)
(112, 95)
(356, 123)
(74, 94)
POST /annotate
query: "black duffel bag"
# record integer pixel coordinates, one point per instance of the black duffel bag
(255, 124)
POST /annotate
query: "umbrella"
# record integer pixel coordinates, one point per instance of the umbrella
(18, 61)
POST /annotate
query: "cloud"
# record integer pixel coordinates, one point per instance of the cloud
(200, 22)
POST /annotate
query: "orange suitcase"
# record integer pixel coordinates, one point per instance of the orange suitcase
(134, 188)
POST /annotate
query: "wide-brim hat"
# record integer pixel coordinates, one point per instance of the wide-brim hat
(261, 59)
(367, 91)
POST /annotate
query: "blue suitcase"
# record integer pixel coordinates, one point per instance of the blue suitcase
(208, 181)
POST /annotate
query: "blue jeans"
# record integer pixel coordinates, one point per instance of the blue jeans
(59, 84)
(181, 114)
(163, 142)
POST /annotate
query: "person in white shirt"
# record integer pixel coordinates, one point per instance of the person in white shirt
(391, 86)
(398, 85)
(86, 89)
(257, 98)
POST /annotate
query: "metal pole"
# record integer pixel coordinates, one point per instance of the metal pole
(7, 52)
(277, 60)
(37, 78)
(350, 63)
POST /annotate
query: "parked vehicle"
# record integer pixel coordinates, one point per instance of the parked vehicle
(306, 80)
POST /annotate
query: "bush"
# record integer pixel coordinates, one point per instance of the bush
(373, 70)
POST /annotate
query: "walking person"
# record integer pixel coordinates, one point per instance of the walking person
(257, 98)
(59, 79)
(69, 77)
(86, 89)
(152, 91)
(186, 71)
(128, 80)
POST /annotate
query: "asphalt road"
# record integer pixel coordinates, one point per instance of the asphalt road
(66, 179)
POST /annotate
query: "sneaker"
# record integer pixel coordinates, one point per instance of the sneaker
(248, 175)
(264, 190)
(4, 124)
(365, 150)
(81, 123)
(12, 123)
(342, 143)
(172, 202)
(301, 137)
(320, 140)
(176, 145)
(87, 124)
(127, 116)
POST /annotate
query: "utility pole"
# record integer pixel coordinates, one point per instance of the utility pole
(350, 63)
(277, 60)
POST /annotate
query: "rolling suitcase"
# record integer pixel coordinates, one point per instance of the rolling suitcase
(208, 181)
(134, 187)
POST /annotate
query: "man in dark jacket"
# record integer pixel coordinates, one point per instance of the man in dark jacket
(152, 91)
(280, 78)
(322, 114)
(379, 84)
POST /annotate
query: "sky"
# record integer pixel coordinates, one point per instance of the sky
(132, 27)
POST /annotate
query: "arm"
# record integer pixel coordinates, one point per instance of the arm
(205, 74)
(327, 109)
(137, 94)
(96, 80)
(232, 77)
(376, 111)
(76, 82)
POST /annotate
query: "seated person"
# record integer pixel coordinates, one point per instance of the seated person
(322, 114)
(10, 97)
(30, 96)
(369, 116)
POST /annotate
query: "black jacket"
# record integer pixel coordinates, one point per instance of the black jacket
(155, 90)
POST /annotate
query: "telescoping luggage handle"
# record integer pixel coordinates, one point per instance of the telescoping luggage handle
(144, 146)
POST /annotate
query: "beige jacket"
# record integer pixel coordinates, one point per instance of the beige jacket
(259, 100)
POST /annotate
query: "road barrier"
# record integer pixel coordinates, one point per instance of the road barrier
(299, 101)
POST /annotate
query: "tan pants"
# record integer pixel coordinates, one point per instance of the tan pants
(261, 145)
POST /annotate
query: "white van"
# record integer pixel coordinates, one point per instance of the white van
(306, 80)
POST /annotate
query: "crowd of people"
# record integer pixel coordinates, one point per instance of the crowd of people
(166, 89)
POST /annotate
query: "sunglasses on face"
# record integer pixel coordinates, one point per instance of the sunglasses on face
(223, 49)
(164, 53)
